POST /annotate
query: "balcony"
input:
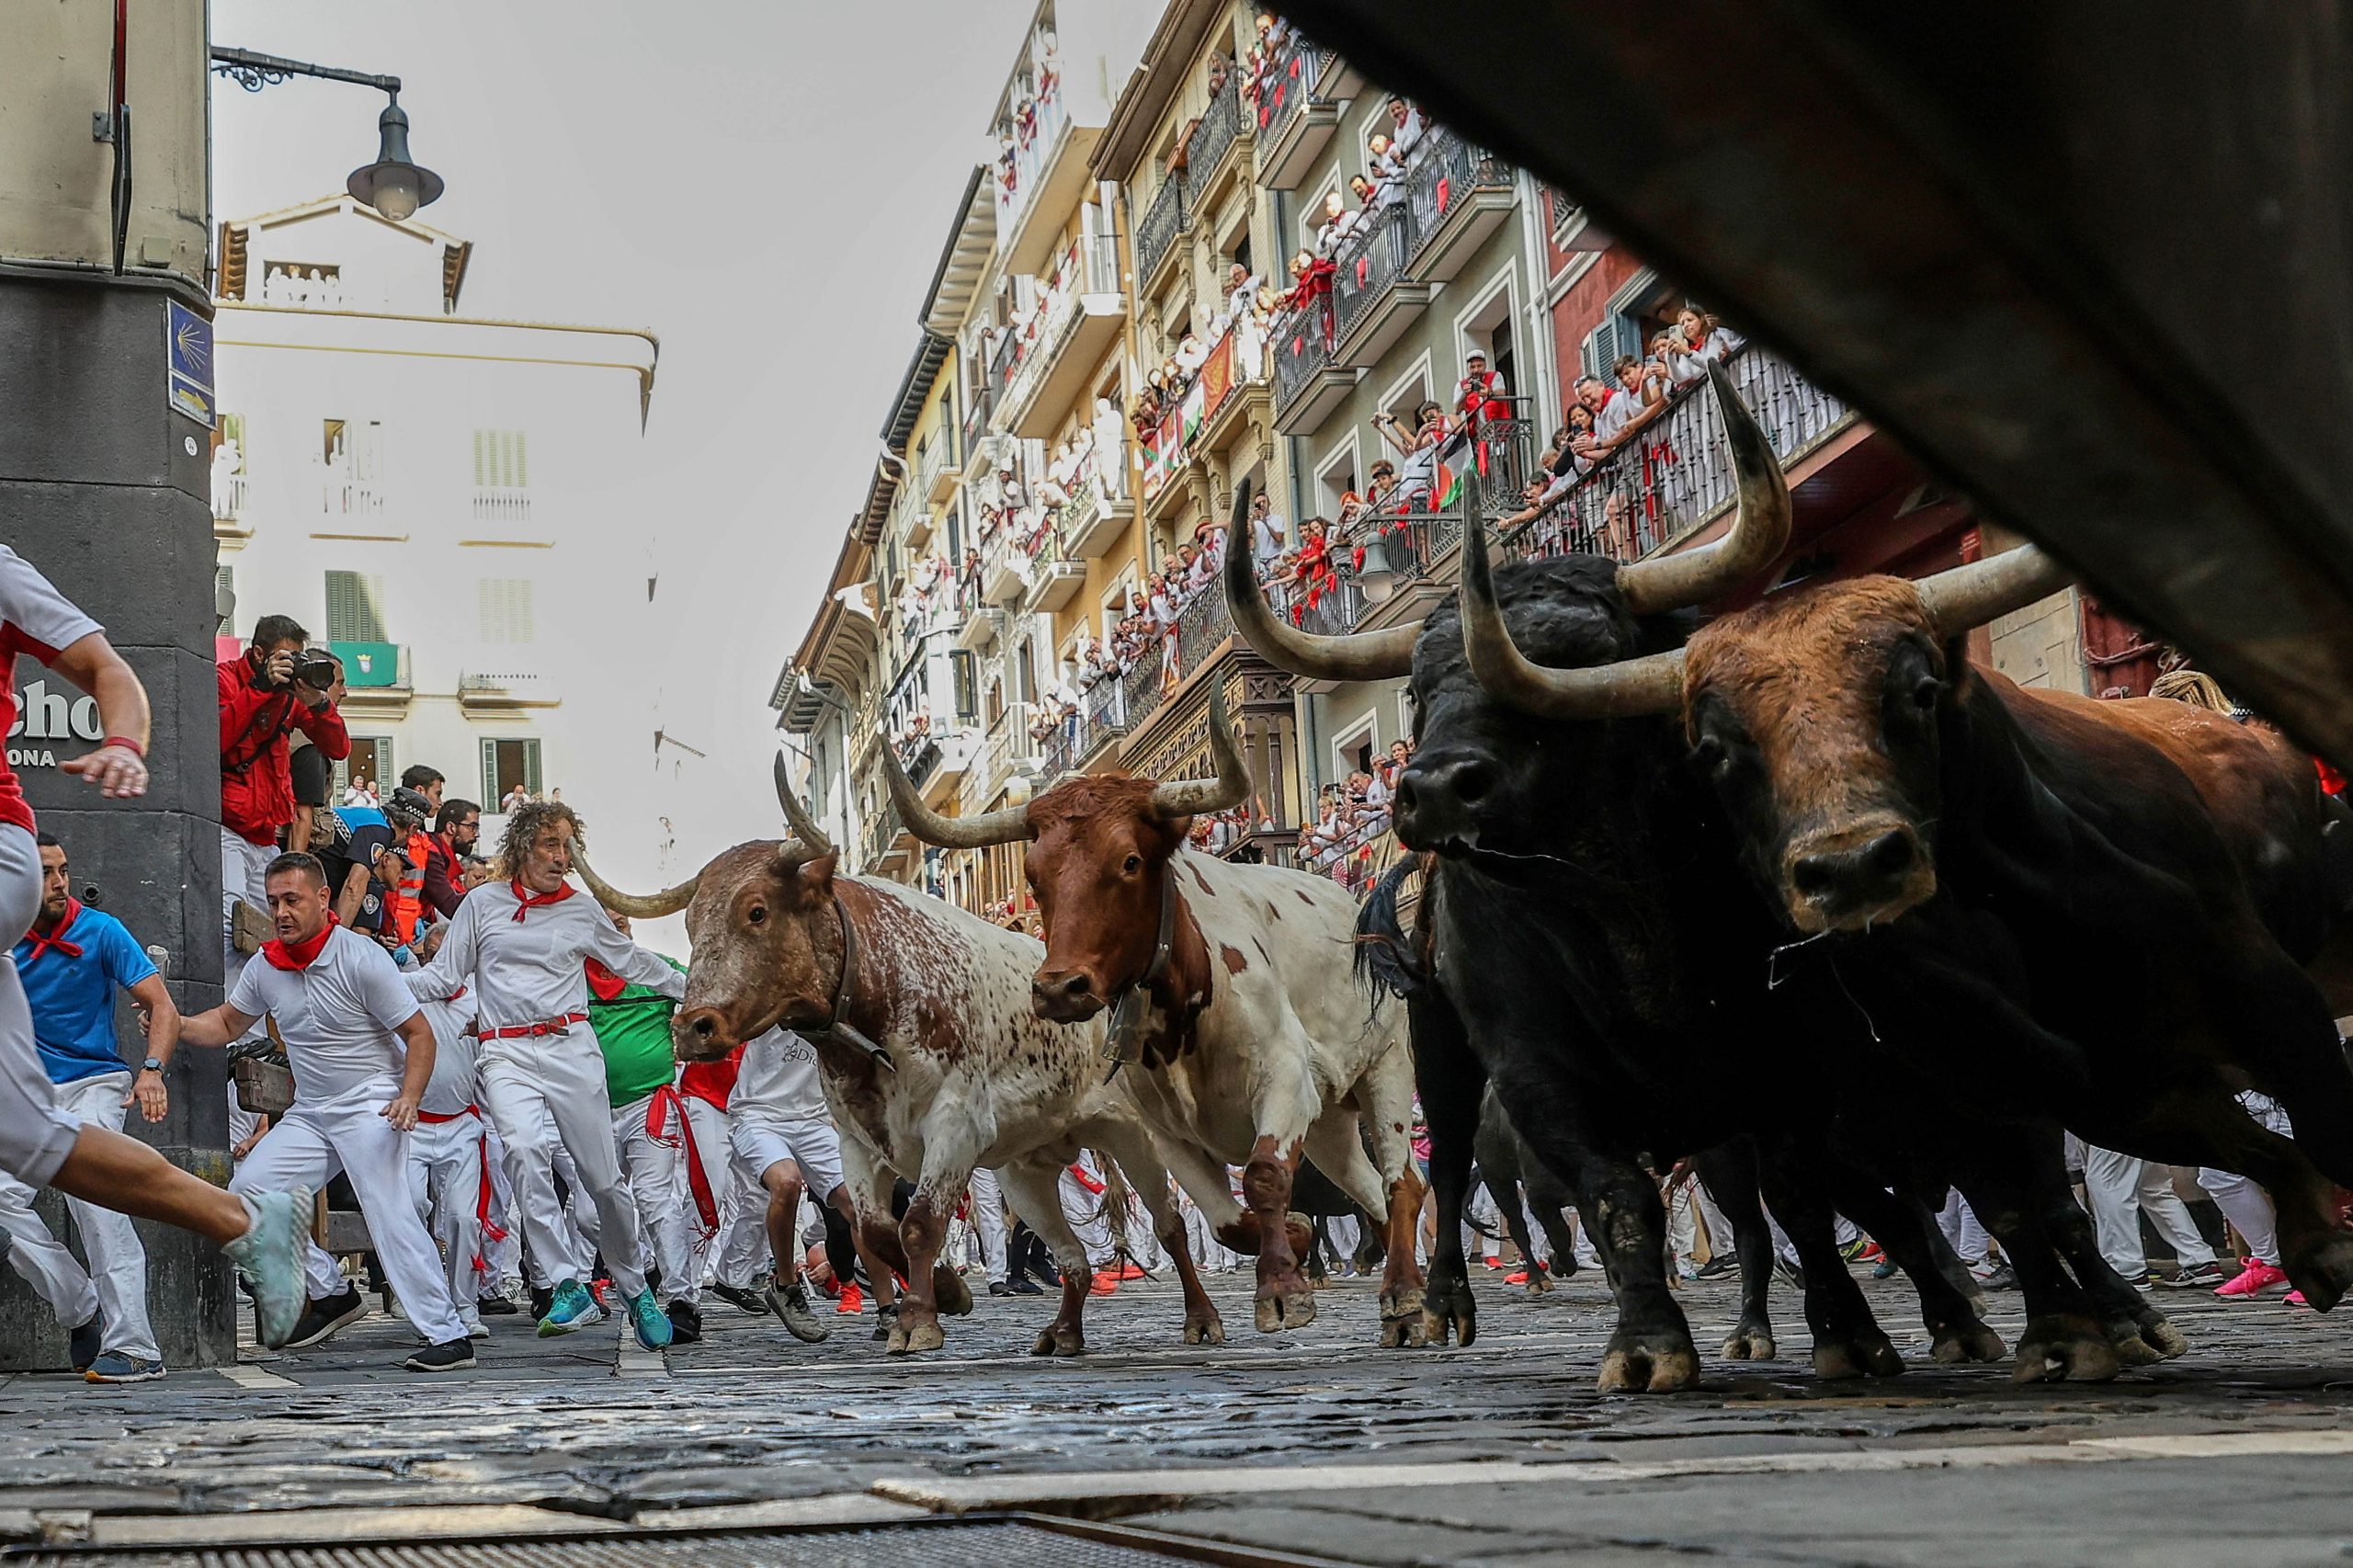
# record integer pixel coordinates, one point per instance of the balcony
(883, 845)
(1093, 522)
(1005, 749)
(1080, 318)
(1235, 380)
(978, 624)
(1048, 179)
(1055, 578)
(1297, 118)
(935, 469)
(1003, 568)
(1374, 300)
(1216, 134)
(505, 505)
(230, 495)
(982, 404)
(1308, 385)
(1082, 737)
(1674, 476)
(1459, 195)
(505, 693)
(1167, 219)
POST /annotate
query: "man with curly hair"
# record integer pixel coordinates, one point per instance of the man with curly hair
(522, 946)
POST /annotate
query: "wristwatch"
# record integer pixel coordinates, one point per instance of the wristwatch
(153, 1064)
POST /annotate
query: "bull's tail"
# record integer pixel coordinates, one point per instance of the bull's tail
(1388, 958)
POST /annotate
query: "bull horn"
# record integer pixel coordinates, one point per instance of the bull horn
(803, 828)
(1985, 590)
(1192, 797)
(1363, 656)
(669, 900)
(1009, 825)
(1759, 527)
(1651, 684)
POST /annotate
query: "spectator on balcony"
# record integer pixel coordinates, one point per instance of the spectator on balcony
(1409, 129)
(1312, 576)
(1110, 452)
(1482, 393)
(1698, 340)
(1391, 767)
(1268, 536)
(1220, 69)
(1538, 495)
(1381, 495)
(1418, 446)
(1160, 605)
(1241, 292)
(1616, 414)
(1190, 356)
(1338, 222)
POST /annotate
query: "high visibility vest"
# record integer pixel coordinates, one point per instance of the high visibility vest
(408, 899)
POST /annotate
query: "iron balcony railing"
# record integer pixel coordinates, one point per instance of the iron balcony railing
(1302, 347)
(1219, 125)
(882, 830)
(1004, 355)
(1371, 262)
(936, 460)
(1445, 169)
(1288, 86)
(1162, 221)
(1416, 546)
(976, 415)
(1673, 475)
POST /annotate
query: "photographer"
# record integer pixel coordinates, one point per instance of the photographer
(271, 690)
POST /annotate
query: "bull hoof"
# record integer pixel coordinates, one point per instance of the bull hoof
(948, 1287)
(1206, 1329)
(1973, 1343)
(1539, 1282)
(1751, 1345)
(912, 1339)
(1279, 1308)
(1864, 1352)
(1639, 1368)
(2323, 1271)
(2065, 1347)
(2164, 1339)
(894, 1341)
(1403, 1331)
(1449, 1308)
(1056, 1340)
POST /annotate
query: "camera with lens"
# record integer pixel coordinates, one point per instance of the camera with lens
(314, 669)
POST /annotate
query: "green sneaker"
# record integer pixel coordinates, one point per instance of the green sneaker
(654, 1330)
(570, 1308)
(269, 1256)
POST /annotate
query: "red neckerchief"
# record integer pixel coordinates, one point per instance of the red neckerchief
(56, 937)
(603, 984)
(299, 955)
(527, 901)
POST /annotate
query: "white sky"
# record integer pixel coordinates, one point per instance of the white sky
(765, 186)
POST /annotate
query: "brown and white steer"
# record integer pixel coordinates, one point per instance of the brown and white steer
(1253, 1041)
(973, 1078)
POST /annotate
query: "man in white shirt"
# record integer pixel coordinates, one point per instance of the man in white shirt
(362, 1054)
(454, 1174)
(776, 1120)
(521, 947)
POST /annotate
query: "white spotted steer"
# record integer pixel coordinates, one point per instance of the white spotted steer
(932, 1059)
(1233, 996)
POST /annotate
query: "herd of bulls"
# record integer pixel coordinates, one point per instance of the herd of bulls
(1801, 890)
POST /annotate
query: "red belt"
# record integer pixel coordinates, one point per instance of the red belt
(545, 1025)
(427, 1118)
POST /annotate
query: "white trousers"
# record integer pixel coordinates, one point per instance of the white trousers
(2245, 1205)
(988, 1220)
(2121, 1188)
(308, 1144)
(656, 1170)
(242, 865)
(116, 1280)
(1957, 1220)
(1084, 1209)
(35, 1132)
(1209, 1252)
(454, 1182)
(737, 1253)
(548, 1090)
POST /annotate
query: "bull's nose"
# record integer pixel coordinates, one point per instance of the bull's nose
(699, 1028)
(1856, 876)
(1064, 996)
(1436, 798)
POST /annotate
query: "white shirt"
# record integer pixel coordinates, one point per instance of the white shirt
(337, 1016)
(1614, 415)
(778, 1080)
(1266, 537)
(531, 969)
(1692, 367)
(451, 1089)
(34, 618)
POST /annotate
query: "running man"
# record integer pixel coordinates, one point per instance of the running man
(522, 946)
(41, 1142)
(631, 1023)
(362, 1054)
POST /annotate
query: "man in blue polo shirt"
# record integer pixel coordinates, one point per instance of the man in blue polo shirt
(70, 963)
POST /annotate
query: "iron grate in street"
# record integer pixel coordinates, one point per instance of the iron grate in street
(917, 1543)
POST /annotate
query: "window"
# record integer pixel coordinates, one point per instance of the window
(503, 608)
(962, 673)
(228, 453)
(355, 608)
(370, 763)
(502, 474)
(351, 451)
(505, 763)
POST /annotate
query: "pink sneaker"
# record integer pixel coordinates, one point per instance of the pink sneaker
(2257, 1277)
(2296, 1299)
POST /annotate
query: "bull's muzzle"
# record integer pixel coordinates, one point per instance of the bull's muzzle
(1064, 996)
(1439, 801)
(700, 1034)
(1857, 878)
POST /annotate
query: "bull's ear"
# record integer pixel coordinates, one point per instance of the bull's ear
(815, 876)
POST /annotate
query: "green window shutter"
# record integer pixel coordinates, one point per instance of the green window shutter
(482, 439)
(522, 480)
(490, 790)
(531, 767)
(343, 606)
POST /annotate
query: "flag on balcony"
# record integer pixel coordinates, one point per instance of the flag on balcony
(1448, 486)
(1217, 375)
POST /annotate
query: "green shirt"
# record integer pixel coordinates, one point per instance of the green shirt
(633, 1026)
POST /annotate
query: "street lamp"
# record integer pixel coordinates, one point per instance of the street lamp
(394, 185)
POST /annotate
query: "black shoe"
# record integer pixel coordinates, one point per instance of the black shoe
(456, 1356)
(1716, 1268)
(686, 1322)
(1025, 1286)
(1788, 1271)
(2002, 1278)
(1053, 1276)
(321, 1318)
(885, 1320)
(496, 1307)
(2209, 1274)
(88, 1340)
(1001, 1288)
(542, 1302)
(735, 1296)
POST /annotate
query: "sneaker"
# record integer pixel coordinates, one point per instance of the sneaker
(570, 1307)
(1862, 1249)
(1521, 1277)
(114, 1367)
(2004, 1278)
(686, 1322)
(791, 1304)
(852, 1301)
(646, 1319)
(2142, 1280)
(323, 1320)
(87, 1342)
(1001, 1288)
(1719, 1265)
(1134, 1271)
(2209, 1273)
(741, 1299)
(456, 1356)
(1883, 1269)
(268, 1257)
(885, 1320)
(1025, 1286)
(2253, 1280)
(2296, 1299)
(1789, 1272)
(475, 1328)
(1105, 1281)
(543, 1298)
(496, 1307)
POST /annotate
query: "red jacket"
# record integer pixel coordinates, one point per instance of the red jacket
(256, 791)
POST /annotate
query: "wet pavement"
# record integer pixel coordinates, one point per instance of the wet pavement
(1312, 1441)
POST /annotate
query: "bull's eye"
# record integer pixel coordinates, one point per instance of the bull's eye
(757, 915)
(1135, 864)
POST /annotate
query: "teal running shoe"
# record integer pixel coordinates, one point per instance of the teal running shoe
(572, 1308)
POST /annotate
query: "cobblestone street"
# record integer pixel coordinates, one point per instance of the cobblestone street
(1312, 1442)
